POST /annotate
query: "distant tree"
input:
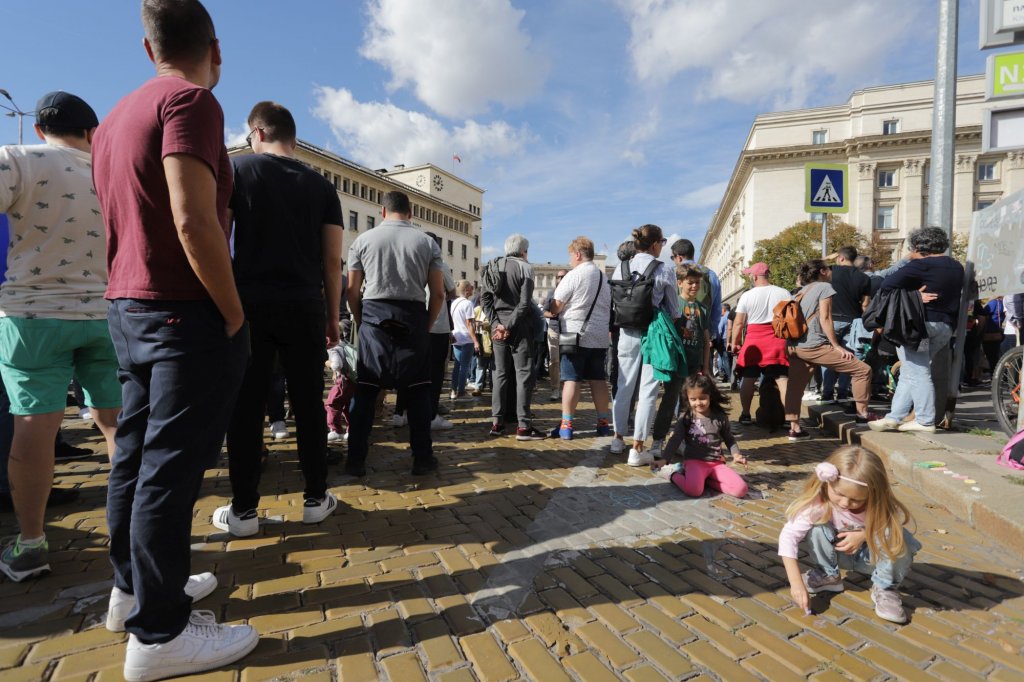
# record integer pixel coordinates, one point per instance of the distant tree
(787, 251)
(958, 248)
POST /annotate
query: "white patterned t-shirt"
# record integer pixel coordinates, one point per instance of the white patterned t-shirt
(56, 257)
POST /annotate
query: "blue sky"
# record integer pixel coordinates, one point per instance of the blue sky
(577, 116)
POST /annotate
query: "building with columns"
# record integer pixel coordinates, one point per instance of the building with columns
(883, 134)
(544, 275)
(443, 203)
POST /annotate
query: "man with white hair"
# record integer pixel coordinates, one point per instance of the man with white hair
(507, 297)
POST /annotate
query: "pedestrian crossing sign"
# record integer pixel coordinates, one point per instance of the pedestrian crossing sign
(826, 188)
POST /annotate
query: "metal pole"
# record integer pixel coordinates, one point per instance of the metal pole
(21, 117)
(824, 236)
(940, 189)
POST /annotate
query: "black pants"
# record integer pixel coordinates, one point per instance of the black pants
(294, 334)
(438, 359)
(393, 353)
(179, 374)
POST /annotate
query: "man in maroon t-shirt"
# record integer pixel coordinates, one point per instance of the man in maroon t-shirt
(163, 180)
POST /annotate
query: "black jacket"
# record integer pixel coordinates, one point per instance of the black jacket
(899, 313)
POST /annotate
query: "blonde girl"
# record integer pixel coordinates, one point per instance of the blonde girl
(851, 519)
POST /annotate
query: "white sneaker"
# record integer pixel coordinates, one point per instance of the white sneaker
(439, 423)
(399, 420)
(122, 603)
(240, 526)
(315, 511)
(811, 396)
(883, 424)
(617, 447)
(279, 430)
(639, 459)
(914, 426)
(202, 645)
(85, 413)
(333, 436)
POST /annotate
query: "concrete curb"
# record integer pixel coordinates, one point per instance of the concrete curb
(995, 510)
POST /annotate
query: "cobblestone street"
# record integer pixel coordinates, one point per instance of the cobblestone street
(546, 560)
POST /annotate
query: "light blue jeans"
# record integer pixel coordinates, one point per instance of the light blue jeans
(631, 370)
(915, 390)
(885, 573)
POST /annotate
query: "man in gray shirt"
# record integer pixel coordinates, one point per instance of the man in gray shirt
(388, 268)
(508, 307)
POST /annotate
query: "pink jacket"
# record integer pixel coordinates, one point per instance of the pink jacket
(796, 528)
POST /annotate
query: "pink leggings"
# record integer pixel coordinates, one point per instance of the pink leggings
(716, 474)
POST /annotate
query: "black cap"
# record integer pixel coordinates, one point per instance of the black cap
(66, 111)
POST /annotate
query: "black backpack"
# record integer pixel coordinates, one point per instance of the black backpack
(770, 412)
(633, 297)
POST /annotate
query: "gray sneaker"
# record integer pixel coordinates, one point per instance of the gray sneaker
(18, 562)
(817, 581)
(888, 605)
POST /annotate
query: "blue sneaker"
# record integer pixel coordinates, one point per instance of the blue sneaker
(565, 430)
(603, 427)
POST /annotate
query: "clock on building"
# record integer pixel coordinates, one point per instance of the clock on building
(438, 182)
(421, 180)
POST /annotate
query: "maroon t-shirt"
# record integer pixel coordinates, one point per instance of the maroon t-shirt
(167, 115)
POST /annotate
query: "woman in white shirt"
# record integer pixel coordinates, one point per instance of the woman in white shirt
(463, 339)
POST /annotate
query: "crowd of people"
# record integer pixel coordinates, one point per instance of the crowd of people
(120, 274)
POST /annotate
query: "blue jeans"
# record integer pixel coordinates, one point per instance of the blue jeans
(885, 573)
(829, 376)
(724, 361)
(463, 357)
(179, 377)
(915, 390)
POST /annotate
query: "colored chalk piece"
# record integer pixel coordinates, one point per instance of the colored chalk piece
(948, 472)
(976, 489)
(959, 477)
(930, 465)
(969, 481)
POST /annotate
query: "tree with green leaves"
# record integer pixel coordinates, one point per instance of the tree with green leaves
(787, 251)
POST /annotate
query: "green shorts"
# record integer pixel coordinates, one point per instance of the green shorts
(38, 357)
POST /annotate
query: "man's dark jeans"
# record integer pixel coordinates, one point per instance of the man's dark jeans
(179, 374)
(294, 334)
(438, 360)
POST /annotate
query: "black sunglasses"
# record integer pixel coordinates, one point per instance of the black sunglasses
(248, 138)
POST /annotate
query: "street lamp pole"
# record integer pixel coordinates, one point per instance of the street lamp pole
(16, 111)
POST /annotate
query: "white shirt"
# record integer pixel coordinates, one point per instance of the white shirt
(441, 324)
(576, 292)
(758, 303)
(462, 310)
(57, 258)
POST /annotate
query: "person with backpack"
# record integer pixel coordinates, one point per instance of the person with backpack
(640, 287)
(507, 300)
(761, 353)
(710, 293)
(819, 346)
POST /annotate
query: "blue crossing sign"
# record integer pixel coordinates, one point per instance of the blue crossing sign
(826, 188)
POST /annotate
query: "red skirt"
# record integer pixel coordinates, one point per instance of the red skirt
(761, 348)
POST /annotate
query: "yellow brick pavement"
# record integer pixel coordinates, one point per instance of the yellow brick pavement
(548, 560)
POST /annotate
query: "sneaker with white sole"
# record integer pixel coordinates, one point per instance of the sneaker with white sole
(817, 581)
(617, 447)
(121, 603)
(240, 526)
(202, 645)
(334, 436)
(914, 426)
(315, 511)
(439, 423)
(888, 605)
(279, 430)
(19, 562)
(884, 424)
(639, 458)
(398, 420)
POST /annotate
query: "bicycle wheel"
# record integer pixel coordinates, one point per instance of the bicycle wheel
(1006, 389)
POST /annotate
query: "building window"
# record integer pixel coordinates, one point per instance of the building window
(476, 241)
(345, 185)
(353, 221)
(355, 187)
(476, 264)
(819, 136)
(362, 192)
(885, 218)
(986, 171)
(984, 203)
(891, 127)
(886, 178)
(337, 181)
(463, 274)
(451, 248)
(927, 174)
(370, 222)
(465, 253)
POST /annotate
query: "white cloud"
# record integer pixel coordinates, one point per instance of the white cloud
(234, 137)
(380, 134)
(702, 197)
(457, 55)
(490, 251)
(638, 134)
(754, 50)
